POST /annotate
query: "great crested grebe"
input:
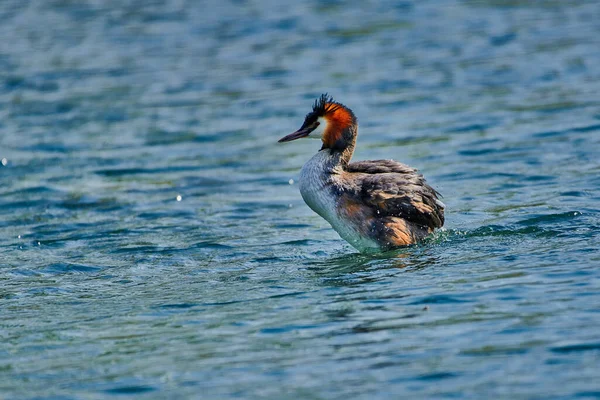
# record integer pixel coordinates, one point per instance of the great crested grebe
(373, 205)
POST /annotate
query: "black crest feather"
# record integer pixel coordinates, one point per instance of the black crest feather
(324, 105)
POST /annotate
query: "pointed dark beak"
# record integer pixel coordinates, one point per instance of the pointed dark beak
(300, 133)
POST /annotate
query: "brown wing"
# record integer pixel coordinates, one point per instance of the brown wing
(380, 167)
(393, 189)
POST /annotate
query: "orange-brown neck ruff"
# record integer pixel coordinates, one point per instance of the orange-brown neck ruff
(339, 120)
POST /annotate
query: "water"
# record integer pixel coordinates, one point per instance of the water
(110, 113)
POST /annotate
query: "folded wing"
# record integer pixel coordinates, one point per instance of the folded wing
(394, 189)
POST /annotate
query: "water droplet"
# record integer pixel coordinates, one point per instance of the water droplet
(4, 161)
(19, 237)
(39, 244)
(291, 181)
(178, 198)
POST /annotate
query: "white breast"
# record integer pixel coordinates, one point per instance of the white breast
(317, 186)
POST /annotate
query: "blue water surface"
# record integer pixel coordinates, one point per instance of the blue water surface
(153, 242)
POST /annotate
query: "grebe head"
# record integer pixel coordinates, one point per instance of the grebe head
(330, 121)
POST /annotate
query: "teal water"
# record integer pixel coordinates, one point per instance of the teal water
(112, 286)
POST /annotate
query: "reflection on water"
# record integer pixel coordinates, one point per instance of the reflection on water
(154, 242)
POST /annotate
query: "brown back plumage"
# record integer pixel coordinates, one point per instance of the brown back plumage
(394, 189)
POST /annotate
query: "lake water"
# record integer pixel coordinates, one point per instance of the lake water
(154, 244)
